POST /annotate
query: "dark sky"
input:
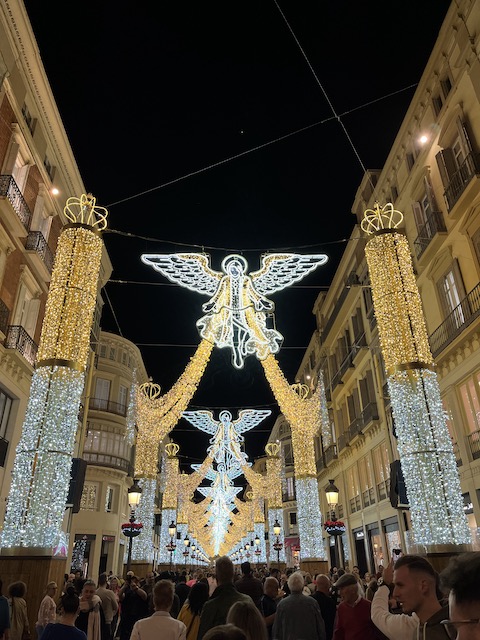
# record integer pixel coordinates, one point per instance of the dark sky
(170, 108)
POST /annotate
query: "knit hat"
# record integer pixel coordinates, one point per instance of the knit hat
(346, 580)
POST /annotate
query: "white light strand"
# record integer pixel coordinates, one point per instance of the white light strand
(309, 518)
(325, 428)
(132, 411)
(142, 545)
(428, 461)
(168, 516)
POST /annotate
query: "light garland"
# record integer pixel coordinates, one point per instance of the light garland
(168, 516)
(325, 428)
(131, 420)
(311, 545)
(43, 457)
(424, 445)
(142, 546)
(237, 312)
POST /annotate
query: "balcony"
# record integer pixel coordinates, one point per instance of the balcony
(473, 440)
(347, 363)
(355, 504)
(458, 320)
(22, 220)
(461, 179)
(343, 441)
(99, 404)
(355, 428)
(432, 227)
(372, 319)
(18, 339)
(368, 497)
(40, 251)
(105, 460)
(4, 313)
(320, 464)
(330, 453)
(383, 489)
(369, 414)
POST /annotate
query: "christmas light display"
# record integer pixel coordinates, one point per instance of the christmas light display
(303, 412)
(424, 446)
(238, 310)
(142, 546)
(43, 457)
(131, 420)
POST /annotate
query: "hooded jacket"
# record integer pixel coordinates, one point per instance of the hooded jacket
(432, 629)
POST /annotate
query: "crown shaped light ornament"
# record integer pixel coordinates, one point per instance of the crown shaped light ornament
(302, 390)
(151, 390)
(172, 449)
(83, 210)
(377, 219)
(272, 449)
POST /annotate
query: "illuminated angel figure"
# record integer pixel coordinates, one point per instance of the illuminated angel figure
(237, 312)
(227, 434)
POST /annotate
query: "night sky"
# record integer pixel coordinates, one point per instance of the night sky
(227, 127)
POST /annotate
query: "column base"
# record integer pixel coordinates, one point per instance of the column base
(314, 566)
(439, 555)
(139, 567)
(36, 571)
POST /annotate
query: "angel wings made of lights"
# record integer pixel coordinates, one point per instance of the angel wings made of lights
(238, 311)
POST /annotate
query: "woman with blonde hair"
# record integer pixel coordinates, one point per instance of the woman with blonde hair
(19, 626)
(246, 616)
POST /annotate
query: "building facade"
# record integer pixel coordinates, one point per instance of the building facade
(432, 175)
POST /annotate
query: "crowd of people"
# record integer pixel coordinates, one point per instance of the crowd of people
(407, 600)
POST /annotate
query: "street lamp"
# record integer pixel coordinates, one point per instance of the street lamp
(186, 552)
(171, 546)
(332, 492)
(132, 529)
(277, 544)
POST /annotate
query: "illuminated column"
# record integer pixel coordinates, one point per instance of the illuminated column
(424, 444)
(274, 497)
(142, 545)
(169, 501)
(304, 415)
(43, 458)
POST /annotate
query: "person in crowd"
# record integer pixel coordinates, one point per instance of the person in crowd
(182, 589)
(225, 632)
(47, 612)
(250, 585)
(212, 582)
(65, 629)
(134, 606)
(168, 575)
(415, 587)
(91, 618)
(215, 610)
(461, 580)
(19, 625)
(160, 625)
(115, 586)
(328, 608)
(298, 616)
(4, 615)
(269, 602)
(353, 620)
(309, 583)
(371, 588)
(109, 604)
(192, 608)
(392, 625)
(147, 585)
(246, 616)
(335, 595)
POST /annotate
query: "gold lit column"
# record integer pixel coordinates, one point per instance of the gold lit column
(43, 458)
(304, 414)
(424, 444)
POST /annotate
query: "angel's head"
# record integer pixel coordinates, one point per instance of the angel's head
(235, 265)
(225, 417)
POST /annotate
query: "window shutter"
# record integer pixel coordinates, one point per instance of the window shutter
(462, 130)
(446, 165)
(430, 193)
(418, 215)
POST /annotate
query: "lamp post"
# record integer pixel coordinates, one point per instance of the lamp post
(258, 552)
(134, 495)
(171, 546)
(332, 500)
(277, 544)
(186, 552)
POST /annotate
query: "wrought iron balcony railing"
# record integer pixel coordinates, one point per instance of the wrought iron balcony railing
(99, 404)
(36, 242)
(461, 179)
(463, 315)
(9, 189)
(18, 339)
(433, 225)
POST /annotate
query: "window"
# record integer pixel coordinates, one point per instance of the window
(109, 499)
(29, 120)
(123, 397)
(292, 517)
(455, 163)
(367, 483)
(290, 488)
(49, 167)
(393, 194)
(5, 408)
(381, 467)
(27, 305)
(410, 160)
(451, 292)
(437, 103)
(470, 401)
(103, 351)
(352, 486)
(102, 393)
(112, 353)
(124, 358)
(446, 85)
